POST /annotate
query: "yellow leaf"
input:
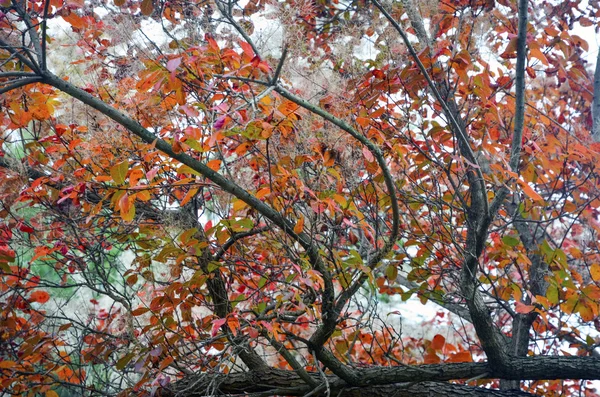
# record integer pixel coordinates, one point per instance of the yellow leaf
(51, 393)
(239, 205)
(119, 172)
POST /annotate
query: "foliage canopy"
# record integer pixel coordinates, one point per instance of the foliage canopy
(209, 197)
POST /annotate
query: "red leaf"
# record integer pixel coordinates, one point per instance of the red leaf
(217, 324)
(39, 296)
(522, 308)
(247, 48)
(24, 228)
(438, 342)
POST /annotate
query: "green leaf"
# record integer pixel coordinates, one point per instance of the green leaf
(552, 294)
(122, 363)
(391, 272)
(510, 241)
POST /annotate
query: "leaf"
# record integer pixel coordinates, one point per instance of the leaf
(139, 311)
(368, 155)
(363, 121)
(166, 362)
(39, 296)
(528, 190)
(173, 64)
(595, 272)
(123, 361)
(147, 7)
(552, 294)
(461, 357)
(216, 324)
(188, 196)
(7, 364)
(263, 192)
(510, 241)
(119, 172)
(74, 20)
(431, 358)
(128, 215)
(299, 225)
(51, 393)
(214, 165)
(438, 342)
(247, 48)
(511, 49)
(522, 308)
(177, 147)
(131, 280)
(391, 272)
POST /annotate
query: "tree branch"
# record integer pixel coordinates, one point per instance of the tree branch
(526, 368)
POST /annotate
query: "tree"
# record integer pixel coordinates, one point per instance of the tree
(211, 213)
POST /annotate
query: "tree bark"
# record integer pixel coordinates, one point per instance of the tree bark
(374, 381)
(277, 382)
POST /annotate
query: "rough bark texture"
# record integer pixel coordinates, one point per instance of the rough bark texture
(274, 382)
(374, 380)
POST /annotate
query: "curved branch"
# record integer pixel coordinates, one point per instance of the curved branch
(235, 238)
(276, 381)
(19, 83)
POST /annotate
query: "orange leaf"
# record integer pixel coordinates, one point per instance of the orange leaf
(214, 165)
(263, 192)
(363, 121)
(188, 196)
(39, 296)
(125, 203)
(528, 190)
(535, 52)
(166, 362)
(51, 393)
(177, 148)
(7, 364)
(461, 357)
(431, 358)
(74, 20)
(595, 272)
(127, 207)
(438, 342)
(299, 226)
(511, 49)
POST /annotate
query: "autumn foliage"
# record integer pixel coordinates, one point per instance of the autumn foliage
(212, 197)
